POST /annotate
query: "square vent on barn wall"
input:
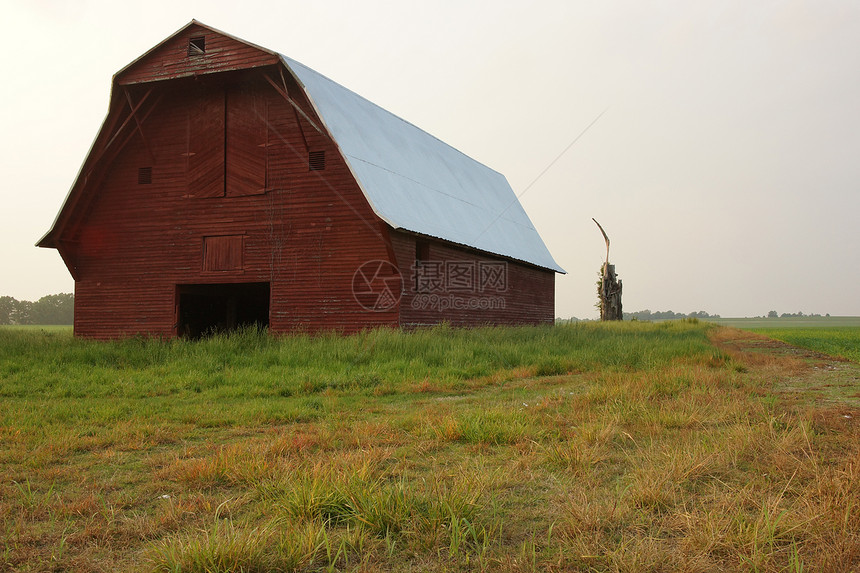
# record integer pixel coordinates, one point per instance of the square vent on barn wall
(144, 175)
(316, 161)
(197, 46)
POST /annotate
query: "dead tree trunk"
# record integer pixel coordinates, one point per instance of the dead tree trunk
(609, 291)
(608, 287)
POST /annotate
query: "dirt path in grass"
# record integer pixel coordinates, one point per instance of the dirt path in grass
(795, 373)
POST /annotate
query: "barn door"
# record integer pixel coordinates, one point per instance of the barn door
(247, 132)
(205, 309)
(206, 144)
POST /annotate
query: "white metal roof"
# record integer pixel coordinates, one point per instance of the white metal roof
(418, 183)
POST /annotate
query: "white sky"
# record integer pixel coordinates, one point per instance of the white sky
(726, 169)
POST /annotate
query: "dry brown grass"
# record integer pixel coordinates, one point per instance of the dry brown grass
(697, 465)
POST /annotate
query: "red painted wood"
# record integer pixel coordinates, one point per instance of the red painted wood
(464, 287)
(246, 140)
(232, 200)
(224, 253)
(170, 59)
(205, 153)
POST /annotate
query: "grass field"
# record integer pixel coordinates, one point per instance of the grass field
(52, 328)
(837, 335)
(790, 323)
(587, 447)
(841, 342)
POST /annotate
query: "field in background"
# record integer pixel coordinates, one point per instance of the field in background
(595, 447)
(839, 342)
(837, 336)
(795, 322)
(54, 328)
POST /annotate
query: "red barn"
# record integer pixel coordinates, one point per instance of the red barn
(231, 185)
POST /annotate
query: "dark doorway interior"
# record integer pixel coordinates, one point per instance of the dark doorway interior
(216, 308)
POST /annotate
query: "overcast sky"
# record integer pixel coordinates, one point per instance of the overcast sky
(725, 169)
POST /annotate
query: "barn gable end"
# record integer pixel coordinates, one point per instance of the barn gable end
(218, 193)
(192, 51)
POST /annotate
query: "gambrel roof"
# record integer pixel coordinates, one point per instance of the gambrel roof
(418, 183)
(412, 180)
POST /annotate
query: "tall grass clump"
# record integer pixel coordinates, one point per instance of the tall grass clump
(385, 505)
(226, 548)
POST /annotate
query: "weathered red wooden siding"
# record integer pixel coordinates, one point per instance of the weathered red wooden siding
(306, 235)
(170, 59)
(209, 181)
(525, 295)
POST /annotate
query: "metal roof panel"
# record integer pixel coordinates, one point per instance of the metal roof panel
(418, 183)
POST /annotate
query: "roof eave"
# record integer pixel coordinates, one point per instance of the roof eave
(555, 269)
(346, 161)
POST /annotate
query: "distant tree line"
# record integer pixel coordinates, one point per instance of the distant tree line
(774, 314)
(51, 309)
(669, 315)
(648, 315)
(666, 315)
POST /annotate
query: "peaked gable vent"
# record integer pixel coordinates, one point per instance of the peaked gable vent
(197, 46)
(316, 161)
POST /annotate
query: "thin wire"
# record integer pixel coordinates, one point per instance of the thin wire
(571, 144)
(541, 174)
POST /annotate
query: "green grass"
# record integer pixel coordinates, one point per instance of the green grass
(789, 322)
(250, 365)
(586, 447)
(841, 342)
(53, 328)
(837, 336)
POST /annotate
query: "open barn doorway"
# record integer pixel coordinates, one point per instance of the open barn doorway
(205, 309)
